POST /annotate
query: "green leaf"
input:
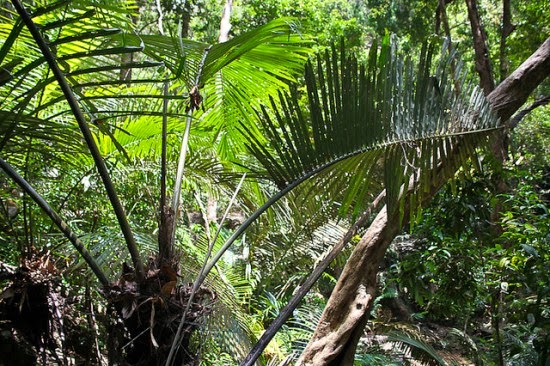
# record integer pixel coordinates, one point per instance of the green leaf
(384, 106)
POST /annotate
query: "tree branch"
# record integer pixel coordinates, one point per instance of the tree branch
(512, 93)
(521, 114)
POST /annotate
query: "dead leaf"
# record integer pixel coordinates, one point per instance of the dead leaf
(169, 272)
(128, 310)
(166, 290)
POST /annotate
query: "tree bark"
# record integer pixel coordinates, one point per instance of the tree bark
(351, 298)
(225, 24)
(482, 61)
(441, 18)
(506, 29)
(341, 325)
(513, 92)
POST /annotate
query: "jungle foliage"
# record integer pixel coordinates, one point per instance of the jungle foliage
(198, 184)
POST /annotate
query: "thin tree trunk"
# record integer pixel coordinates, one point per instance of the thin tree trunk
(185, 17)
(482, 61)
(506, 29)
(342, 322)
(441, 18)
(225, 24)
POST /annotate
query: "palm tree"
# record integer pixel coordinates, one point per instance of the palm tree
(81, 46)
(388, 118)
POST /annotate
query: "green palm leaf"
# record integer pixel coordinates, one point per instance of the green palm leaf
(418, 349)
(360, 115)
(386, 114)
(232, 76)
(83, 37)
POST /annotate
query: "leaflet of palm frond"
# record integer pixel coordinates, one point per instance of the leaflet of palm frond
(108, 249)
(249, 73)
(251, 78)
(106, 65)
(303, 324)
(259, 47)
(388, 105)
(55, 66)
(418, 349)
(22, 129)
(229, 325)
(8, 67)
(83, 47)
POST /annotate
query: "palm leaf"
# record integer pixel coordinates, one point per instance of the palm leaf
(382, 114)
(386, 109)
(418, 349)
(83, 37)
(232, 76)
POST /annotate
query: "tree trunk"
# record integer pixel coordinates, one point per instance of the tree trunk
(225, 25)
(483, 63)
(335, 338)
(506, 29)
(342, 322)
(441, 18)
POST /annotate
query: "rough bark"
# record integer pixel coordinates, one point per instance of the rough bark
(513, 92)
(352, 296)
(482, 61)
(342, 322)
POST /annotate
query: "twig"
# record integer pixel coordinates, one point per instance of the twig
(521, 114)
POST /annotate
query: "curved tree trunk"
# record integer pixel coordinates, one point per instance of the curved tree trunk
(342, 322)
(343, 319)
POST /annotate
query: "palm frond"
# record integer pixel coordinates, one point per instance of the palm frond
(17, 131)
(386, 113)
(84, 36)
(416, 349)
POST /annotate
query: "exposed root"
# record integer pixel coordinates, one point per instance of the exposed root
(151, 312)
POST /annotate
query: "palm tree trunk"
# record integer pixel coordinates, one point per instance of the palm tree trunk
(341, 325)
